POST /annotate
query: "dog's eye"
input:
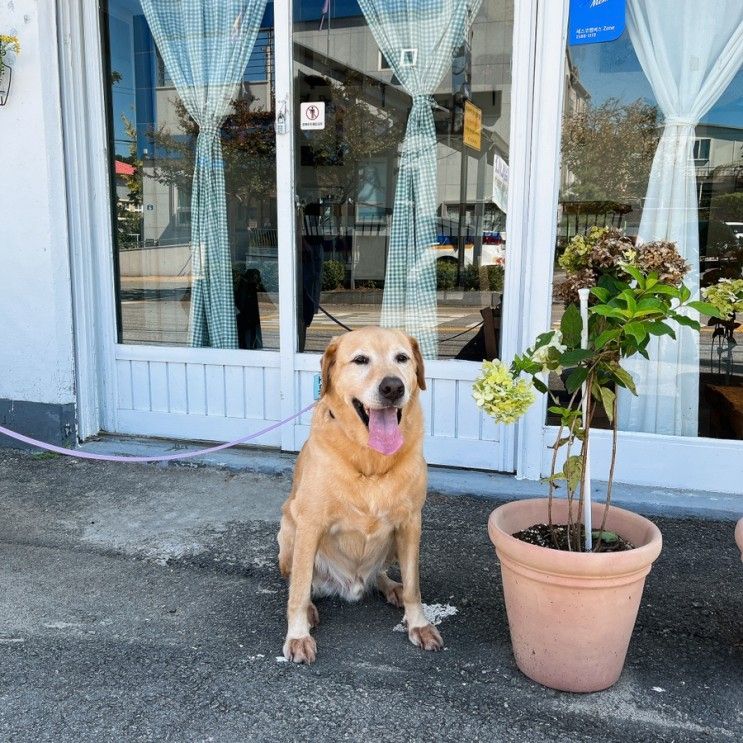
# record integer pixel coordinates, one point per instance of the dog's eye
(401, 358)
(361, 360)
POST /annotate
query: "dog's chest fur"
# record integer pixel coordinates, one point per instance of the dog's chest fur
(359, 542)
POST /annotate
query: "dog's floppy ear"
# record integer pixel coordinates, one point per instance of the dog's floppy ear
(326, 365)
(420, 369)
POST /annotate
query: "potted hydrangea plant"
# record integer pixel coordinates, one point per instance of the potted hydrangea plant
(572, 594)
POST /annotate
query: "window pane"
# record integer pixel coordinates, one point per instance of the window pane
(652, 145)
(195, 265)
(357, 265)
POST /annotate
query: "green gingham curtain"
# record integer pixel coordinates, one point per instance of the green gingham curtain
(205, 45)
(433, 29)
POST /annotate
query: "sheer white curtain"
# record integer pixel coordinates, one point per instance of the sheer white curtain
(690, 52)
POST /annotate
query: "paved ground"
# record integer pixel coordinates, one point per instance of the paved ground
(142, 603)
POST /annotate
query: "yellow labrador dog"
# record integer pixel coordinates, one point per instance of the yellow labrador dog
(359, 487)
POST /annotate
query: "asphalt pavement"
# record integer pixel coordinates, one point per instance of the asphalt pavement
(143, 603)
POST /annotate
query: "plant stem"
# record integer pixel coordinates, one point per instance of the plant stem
(551, 495)
(590, 410)
(611, 474)
(552, 472)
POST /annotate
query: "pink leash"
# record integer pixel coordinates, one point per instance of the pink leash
(167, 458)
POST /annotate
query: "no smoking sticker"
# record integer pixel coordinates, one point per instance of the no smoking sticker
(312, 115)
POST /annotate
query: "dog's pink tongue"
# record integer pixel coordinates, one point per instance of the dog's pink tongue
(384, 433)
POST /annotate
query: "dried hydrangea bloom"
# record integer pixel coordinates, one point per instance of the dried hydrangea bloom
(610, 251)
(567, 290)
(662, 258)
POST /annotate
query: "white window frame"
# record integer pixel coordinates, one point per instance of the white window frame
(688, 463)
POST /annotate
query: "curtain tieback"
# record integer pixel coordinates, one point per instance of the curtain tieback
(680, 121)
(423, 99)
(210, 130)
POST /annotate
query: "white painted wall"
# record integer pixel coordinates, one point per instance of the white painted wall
(36, 336)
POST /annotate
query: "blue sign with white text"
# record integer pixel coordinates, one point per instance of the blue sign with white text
(592, 21)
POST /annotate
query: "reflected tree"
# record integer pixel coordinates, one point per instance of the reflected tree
(248, 148)
(608, 151)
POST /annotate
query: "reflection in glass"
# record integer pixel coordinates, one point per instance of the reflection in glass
(653, 144)
(191, 103)
(415, 240)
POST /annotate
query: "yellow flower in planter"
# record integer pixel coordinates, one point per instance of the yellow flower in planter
(500, 395)
(8, 44)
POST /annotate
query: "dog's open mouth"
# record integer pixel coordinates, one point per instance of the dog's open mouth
(384, 427)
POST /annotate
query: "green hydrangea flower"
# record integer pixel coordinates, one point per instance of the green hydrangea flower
(500, 395)
(726, 296)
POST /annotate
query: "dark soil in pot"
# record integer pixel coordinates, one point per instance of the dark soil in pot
(556, 537)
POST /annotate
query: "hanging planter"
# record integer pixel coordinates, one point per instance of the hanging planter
(6, 77)
(9, 46)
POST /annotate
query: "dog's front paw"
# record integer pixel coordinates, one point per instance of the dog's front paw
(301, 649)
(426, 637)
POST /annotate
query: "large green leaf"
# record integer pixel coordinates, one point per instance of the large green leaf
(671, 291)
(705, 308)
(574, 357)
(688, 321)
(607, 311)
(624, 378)
(629, 298)
(576, 379)
(607, 400)
(571, 326)
(650, 303)
(637, 330)
(660, 328)
(636, 274)
(605, 337)
(600, 293)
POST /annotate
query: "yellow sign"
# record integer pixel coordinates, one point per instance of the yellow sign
(472, 126)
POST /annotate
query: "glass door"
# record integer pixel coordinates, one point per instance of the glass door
(191, 89)
(402, 147)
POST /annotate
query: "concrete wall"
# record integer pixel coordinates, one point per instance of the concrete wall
(36, 336)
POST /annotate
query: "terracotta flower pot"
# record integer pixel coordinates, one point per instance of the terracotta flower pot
(739, 537)
(571, 614)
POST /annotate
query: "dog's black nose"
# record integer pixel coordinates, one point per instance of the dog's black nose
(392, 388)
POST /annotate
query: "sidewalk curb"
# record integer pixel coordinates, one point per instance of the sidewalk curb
(650, 501)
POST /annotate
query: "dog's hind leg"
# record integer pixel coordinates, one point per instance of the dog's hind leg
(285, 539)
(313, 616)
(390, 589)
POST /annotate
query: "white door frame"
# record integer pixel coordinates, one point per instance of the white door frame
(539, 240)
(285, 204)
(89, 212)
(484, 445)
